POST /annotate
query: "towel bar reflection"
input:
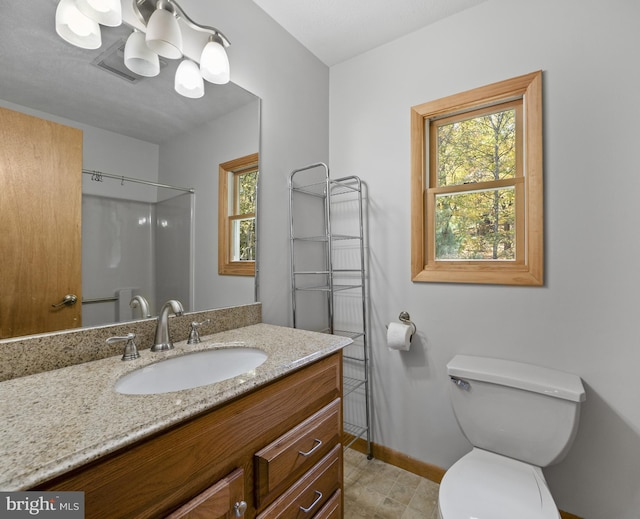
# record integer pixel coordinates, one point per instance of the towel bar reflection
(99, 300)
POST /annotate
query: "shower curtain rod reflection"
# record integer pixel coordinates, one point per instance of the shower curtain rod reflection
(97, 176)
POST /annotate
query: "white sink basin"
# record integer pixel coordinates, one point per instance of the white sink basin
(191, 370)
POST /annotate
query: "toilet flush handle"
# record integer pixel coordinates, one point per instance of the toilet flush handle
(461, 383)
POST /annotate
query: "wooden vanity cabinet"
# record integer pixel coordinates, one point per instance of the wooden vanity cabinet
(273, 447)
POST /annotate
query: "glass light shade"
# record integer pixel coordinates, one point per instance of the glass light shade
(139, 58)
(214, 63)
(188, 81)
(163, 34)
(76, 28)
(105, 12)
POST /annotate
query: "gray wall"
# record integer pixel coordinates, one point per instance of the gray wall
(294, 88)
(584, 319)
(192, 160)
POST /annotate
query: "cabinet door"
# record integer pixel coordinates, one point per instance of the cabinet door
(40, 224)
(223, 500)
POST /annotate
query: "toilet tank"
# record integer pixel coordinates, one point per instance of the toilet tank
(519, 410)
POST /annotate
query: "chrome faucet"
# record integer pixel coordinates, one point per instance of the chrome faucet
(162, 341)
(143, 304)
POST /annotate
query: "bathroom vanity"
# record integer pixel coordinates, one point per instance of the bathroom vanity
(266, 444)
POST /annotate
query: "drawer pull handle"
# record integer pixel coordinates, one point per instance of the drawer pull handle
(239, 508)
(313, 449)
(307, 510)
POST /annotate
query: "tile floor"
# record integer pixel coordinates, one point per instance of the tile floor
(376, 490)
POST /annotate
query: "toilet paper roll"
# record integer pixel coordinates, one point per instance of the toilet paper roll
(399, 336)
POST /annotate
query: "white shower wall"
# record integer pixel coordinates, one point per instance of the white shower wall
(173, 251)
(115, 254)
(141, 246)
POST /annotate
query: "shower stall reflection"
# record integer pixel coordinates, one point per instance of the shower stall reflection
(132, 248)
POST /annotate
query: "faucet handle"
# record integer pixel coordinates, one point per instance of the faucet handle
(194, 334)
(130, 349)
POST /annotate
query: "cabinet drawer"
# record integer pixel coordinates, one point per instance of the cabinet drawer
(309, 494)
(219, 501)
(333, 508)
(284, 460)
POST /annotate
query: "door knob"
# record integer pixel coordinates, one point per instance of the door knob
(68, 300)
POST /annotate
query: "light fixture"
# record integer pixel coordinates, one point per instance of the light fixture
(75, 27)
(163, 32)
(214, 63)
(188, 81)
(139, 58)
(163, 24)
(105, 12)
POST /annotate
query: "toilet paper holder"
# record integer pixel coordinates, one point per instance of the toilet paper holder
(405, 318)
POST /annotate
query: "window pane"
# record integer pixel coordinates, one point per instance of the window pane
(479, 149)
(243, 239)
(479, 225)
(246, 192)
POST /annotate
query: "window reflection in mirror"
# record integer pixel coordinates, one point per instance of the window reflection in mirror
(237, 192)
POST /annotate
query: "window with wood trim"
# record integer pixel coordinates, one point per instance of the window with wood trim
(476, 185)
(237, 190)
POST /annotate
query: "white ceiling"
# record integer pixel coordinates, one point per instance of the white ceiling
(336, 30)
(41, 71)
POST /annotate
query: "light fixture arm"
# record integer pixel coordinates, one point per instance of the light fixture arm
(145, 8)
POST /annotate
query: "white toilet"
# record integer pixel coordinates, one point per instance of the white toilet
(519, 418)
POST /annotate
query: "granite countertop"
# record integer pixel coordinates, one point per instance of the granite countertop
(58, 420)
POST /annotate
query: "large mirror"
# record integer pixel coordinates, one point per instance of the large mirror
(150, 162)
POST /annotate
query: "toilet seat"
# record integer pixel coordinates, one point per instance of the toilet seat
(484, 485)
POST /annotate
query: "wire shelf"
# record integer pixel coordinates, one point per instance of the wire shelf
(347, 248)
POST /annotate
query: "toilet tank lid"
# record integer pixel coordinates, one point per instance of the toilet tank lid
(528, 377)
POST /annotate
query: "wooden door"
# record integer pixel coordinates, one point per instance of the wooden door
(40, 224)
